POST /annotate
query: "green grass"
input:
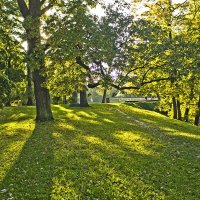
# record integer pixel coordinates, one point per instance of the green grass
(106, 151)
(147, 105)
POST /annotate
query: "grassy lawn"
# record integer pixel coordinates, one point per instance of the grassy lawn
(106, 151)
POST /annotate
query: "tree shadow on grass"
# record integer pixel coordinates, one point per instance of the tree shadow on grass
(119, 158)
(30, 177)
(180, 159)
(96, 163)
(97, 153)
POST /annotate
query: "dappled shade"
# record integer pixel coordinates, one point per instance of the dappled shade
(111, 151)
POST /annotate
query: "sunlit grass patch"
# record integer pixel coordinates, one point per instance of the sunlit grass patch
(108, 120)
(110, 151)
(175, 132)
(136, 142)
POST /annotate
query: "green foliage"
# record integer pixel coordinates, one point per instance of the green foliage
(174, 53)
(152, 105)
(98, 42)
(5, 89)
(11, 54)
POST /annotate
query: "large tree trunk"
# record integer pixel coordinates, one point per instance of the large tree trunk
(83, 98)
(32, 13)
(196, 120)
(42, 96)
(29, 88)
(174, 108)
(104, 96)
(179, 110)
(43, 104)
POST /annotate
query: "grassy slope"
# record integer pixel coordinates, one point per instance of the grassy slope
(110, 151)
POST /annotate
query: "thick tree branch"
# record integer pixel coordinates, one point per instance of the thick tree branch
(93, 85)
(152, 68)
(156, 80)
(138, 87)
(127, 74)
(23, 8)
(48, 7)
(82, 64)
(86, 67)
(125, 87)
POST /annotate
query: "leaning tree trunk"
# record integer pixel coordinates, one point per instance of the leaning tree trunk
(104, 96)
(196, 120)
(32, 13)
(179, 110)
(83, 98)
(29, 87)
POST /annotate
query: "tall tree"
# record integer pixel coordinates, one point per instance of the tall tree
(93, 44)
(32, 13)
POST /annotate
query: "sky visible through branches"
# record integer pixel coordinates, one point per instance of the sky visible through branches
(100, 12)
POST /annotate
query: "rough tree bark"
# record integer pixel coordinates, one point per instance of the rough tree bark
(43, 105)
(32, 13)
(29, 88)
